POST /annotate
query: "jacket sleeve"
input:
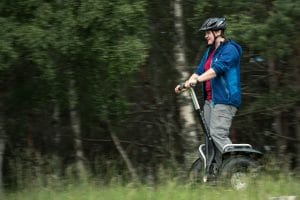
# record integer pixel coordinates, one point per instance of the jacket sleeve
(229, 57)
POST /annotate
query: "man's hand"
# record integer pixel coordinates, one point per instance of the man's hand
(179, 89)
(187, 84)
(192, 81)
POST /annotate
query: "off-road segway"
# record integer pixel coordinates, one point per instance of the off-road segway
(240, 162)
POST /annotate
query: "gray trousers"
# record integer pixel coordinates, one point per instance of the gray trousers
(218, 119)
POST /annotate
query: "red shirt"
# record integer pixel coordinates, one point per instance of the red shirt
(207, 86)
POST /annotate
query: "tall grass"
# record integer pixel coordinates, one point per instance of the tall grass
(263, 188)
(45, 183)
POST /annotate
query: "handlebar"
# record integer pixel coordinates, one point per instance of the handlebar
(182, 86)
(197, 107)
(192, 94)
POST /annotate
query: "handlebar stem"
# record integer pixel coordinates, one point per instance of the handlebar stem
(194, 98)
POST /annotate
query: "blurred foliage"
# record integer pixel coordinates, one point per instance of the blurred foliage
(44, 45)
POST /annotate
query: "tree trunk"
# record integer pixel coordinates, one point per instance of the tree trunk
(277, 122)
(123, 154)
(75, 124)
(2, 149)
(297, 108)
(186, 109)
(297, 129)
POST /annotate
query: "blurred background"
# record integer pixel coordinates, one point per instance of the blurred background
(87, 87)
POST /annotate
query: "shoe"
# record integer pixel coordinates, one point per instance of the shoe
(212, 180)
(211, 177)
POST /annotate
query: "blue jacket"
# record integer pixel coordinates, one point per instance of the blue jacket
(226, 88)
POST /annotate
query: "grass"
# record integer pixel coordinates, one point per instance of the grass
(263, 188)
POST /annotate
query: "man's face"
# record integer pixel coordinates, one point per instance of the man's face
(209, 37)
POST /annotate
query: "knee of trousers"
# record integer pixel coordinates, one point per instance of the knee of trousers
(221, 141)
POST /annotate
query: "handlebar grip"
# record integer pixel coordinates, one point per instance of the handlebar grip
(181, 86)
(192, 85)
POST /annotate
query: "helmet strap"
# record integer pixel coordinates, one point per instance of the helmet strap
(215, 37)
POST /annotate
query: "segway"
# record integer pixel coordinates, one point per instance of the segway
(240, 162)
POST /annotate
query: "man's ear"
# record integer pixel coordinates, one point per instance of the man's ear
(218, 32)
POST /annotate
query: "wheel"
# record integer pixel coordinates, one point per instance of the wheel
(239, 172)
(196, 171)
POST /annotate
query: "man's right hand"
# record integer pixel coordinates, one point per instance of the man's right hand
(178, 89)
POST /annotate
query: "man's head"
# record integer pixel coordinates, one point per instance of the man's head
(214, 28)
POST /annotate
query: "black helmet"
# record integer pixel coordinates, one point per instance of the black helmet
(213, 24)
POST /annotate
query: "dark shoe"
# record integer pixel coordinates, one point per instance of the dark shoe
(212, 179)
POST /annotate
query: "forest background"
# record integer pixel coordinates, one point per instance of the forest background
(87, 87)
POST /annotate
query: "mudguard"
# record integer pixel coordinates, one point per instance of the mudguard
(242, 151)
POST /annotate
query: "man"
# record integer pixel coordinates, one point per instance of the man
(219, 73)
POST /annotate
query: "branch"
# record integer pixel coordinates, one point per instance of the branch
(123, 154)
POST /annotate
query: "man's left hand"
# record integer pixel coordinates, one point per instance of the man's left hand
(190, 82)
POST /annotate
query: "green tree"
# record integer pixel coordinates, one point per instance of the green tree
(65, 65)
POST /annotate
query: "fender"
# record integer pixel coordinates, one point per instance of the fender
(242, 151)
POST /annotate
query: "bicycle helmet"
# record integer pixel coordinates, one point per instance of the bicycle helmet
(213, 24)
